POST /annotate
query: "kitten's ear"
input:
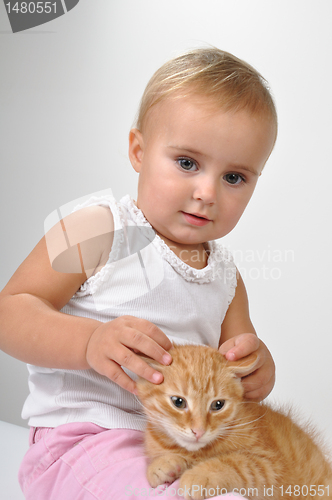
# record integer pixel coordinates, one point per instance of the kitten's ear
(243, 366)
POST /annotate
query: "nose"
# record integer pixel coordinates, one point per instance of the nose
(205, 190)
(198, 432)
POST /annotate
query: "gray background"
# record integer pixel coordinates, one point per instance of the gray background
(69, 91)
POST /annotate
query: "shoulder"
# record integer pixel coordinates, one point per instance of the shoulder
(88, 222)
(65, 257)
(78, 242)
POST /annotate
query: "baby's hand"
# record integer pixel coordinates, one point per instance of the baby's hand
(116, 343)
(258, 384)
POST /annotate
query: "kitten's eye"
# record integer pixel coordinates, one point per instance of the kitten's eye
(234, 179)
(218, 405)
(187, 164)
(179, 402)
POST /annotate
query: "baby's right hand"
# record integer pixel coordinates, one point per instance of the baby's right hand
(116, 343)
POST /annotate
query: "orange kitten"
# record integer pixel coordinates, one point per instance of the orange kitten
(201, 429)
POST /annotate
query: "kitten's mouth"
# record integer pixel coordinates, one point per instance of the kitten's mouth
(190, 443)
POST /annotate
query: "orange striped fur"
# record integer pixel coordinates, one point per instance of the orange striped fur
(233, 445)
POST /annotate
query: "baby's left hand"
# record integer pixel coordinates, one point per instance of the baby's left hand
(258, 384)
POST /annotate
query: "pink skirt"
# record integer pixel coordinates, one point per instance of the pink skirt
(82, 461)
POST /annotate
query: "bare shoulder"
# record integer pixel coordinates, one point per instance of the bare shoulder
(79, 242)
(70, 252)
(87, 223)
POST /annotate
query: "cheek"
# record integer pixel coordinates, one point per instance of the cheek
(153, 186)
(230, 213)
(236, 203)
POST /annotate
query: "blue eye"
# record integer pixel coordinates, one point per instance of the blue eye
(187, 164)
(234, 179)
(179, 402)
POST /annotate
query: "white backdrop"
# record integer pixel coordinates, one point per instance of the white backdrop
(69, 92)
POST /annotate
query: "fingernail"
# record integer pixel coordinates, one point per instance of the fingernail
(230, 356)
(157, 377)
(166, 359)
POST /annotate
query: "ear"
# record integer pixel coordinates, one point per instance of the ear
(136, 147)
(243, 366)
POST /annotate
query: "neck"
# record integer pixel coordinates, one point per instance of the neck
(195, 256)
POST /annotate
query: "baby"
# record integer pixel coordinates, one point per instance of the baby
(82, 307)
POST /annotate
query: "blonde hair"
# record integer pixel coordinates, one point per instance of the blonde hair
(230, 82)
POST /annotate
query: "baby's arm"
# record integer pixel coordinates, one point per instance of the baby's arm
(238, 339)
(33, 329)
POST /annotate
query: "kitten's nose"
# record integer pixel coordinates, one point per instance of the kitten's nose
(198, 433)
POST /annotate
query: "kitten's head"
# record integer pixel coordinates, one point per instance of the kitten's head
(199, 398)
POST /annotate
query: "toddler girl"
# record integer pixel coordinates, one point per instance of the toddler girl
(117, 279)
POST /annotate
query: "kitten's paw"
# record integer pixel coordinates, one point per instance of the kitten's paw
(197, 485)
(165, 469)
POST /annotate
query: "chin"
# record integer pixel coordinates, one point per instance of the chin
(188, 444)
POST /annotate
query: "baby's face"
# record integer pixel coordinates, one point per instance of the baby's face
(198, 167)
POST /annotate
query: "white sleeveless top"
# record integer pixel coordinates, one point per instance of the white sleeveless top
(143, 278)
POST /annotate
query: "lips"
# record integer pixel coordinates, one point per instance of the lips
(196, 219)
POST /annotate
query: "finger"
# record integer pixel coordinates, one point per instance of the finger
(256, 387)
(151, 349)
(153, 332)
(128, 359)
(140, 342)
(226, 346)
(260, 393)
(244, 345)
(115, 373)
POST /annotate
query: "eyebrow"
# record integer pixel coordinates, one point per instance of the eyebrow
(244, 167)
(232, 167)
(189, 150)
